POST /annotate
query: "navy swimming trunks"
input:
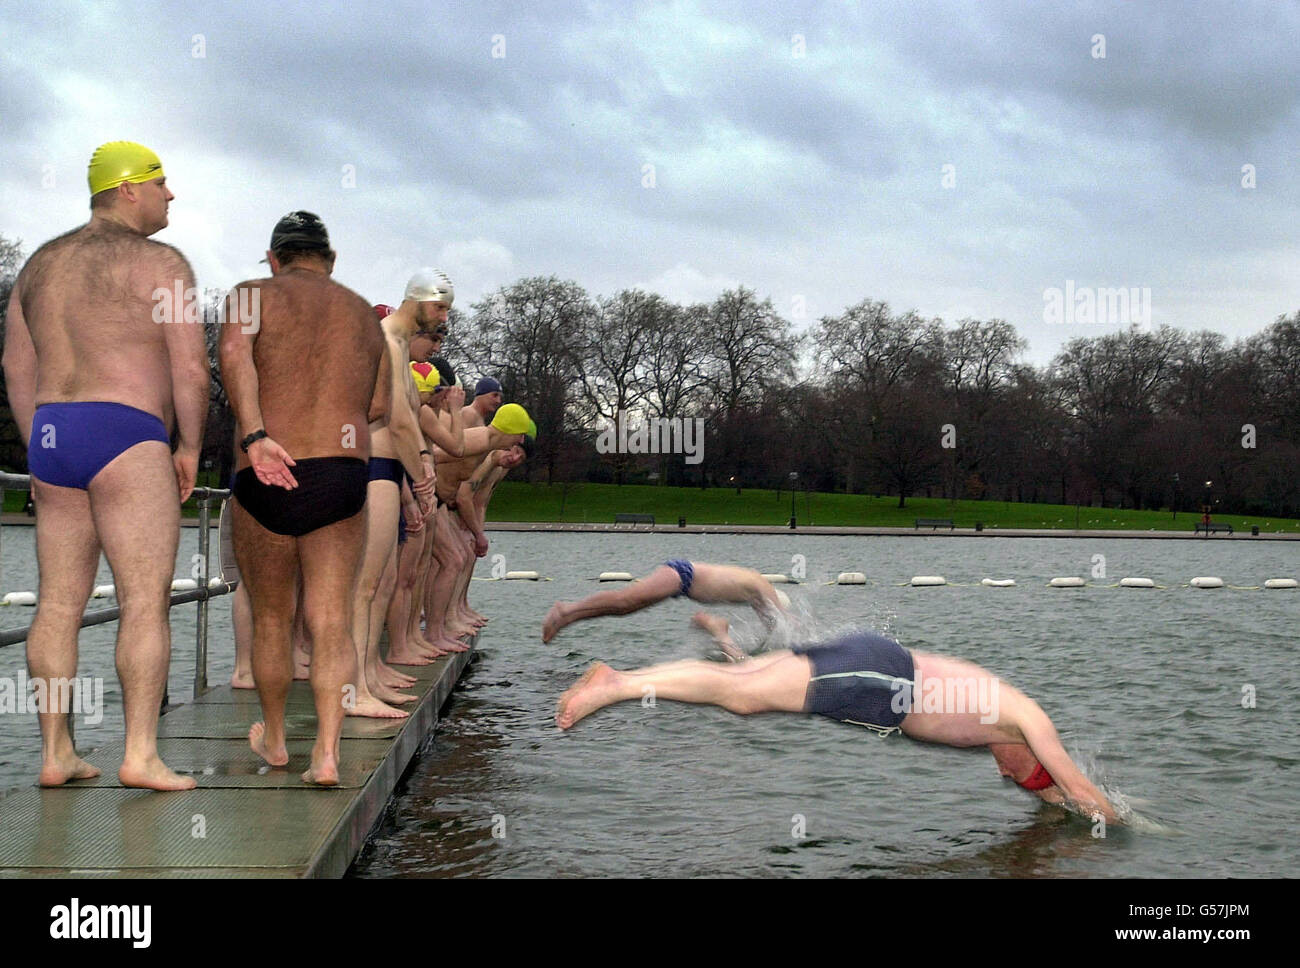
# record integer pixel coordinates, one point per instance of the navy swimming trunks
(390, 469)
(686, 572)
(386, 469)
(72, 442)
(863, 678)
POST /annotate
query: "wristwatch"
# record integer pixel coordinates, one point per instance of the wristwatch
(252, 438)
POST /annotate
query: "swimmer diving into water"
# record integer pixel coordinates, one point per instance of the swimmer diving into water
(868, 680)
(698, 580)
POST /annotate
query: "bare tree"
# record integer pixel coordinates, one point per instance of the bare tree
(532, 335)
(868, 356)
(12, 454)
(977, 361)
(748, 348)
(1113, 385)
(909, 454)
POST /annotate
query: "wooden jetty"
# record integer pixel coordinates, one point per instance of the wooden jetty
(245, 820)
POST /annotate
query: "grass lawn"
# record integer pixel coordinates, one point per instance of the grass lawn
(598, 503)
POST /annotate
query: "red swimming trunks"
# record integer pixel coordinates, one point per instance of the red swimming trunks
(1040, 779)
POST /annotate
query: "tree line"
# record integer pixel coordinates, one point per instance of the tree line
(870, 400)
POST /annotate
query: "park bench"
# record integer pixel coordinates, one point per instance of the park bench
(933, 523)
(634, 519)
(1211, 527)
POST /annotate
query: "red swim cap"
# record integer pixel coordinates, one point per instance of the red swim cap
(1040, 779)
(381, 310)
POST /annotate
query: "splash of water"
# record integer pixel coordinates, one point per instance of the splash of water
(800, 625)
(1125, 805)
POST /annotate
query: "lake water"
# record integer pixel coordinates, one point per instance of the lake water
(1145, 686)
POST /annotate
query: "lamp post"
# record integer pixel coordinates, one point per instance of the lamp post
(1205, 508)
(794, 476)
(1176, 497)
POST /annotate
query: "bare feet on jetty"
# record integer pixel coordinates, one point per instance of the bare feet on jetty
(372, 708)
(279, 756)
(58, 770)
(151, 773)
(324, 769)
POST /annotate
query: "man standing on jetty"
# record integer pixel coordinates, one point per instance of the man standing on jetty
(300, 485)
(398, 448)
(96, 424)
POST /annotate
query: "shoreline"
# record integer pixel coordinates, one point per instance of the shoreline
(878, 531)
(19, 519)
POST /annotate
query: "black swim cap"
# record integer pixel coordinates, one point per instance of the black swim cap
(446, 374)
(300, 231)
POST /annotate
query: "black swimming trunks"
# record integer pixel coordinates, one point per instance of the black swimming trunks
(863, 678)
(329, 490)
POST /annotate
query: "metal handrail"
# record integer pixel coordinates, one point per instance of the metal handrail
(205, 591)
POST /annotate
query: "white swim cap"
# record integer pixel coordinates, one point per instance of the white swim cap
(430, 285)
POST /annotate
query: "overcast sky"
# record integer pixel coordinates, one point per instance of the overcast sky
(800, 153)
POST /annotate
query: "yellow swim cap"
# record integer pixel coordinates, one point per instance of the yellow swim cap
(514, 419)
(121, 161)
(426, 376)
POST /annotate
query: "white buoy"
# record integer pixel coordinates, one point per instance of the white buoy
(778, 579)
(522, 576)
(1136, 583)
(999, 582)
(104, 591)
(184, 585)
(1282, 583)
(19, 598)
(1206, 583)
(851, 578)
(615, 576)
(1070, 581)
(921, 581)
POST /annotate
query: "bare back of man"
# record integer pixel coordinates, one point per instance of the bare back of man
(97, 379)
(927, 697)
(319, 443)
